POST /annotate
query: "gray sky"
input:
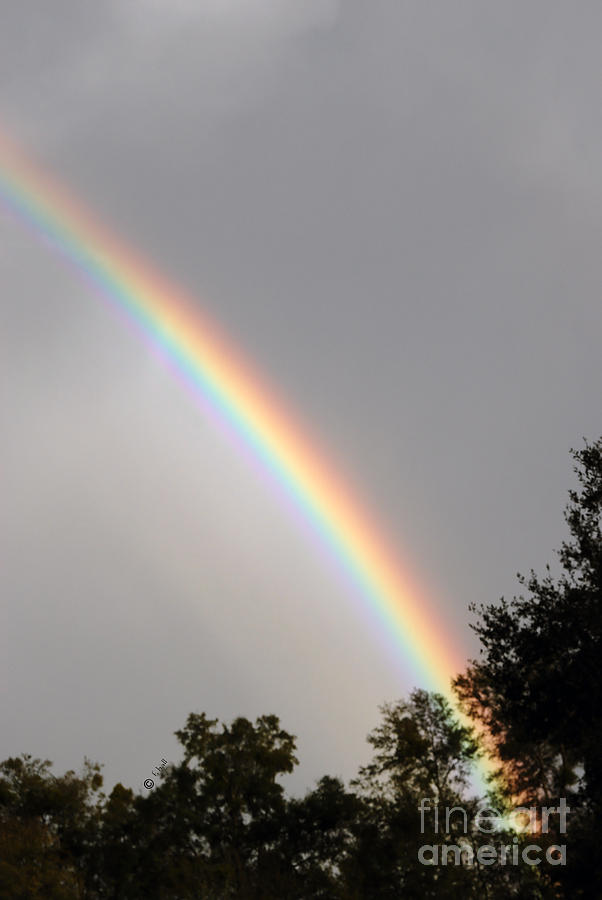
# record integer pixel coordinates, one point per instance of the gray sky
(394, 209)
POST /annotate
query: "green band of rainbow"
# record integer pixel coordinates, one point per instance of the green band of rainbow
(218, 372)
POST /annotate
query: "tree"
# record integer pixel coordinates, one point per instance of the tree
(239, 802)
(321, 839)
(213, 827)
(537, 685)
(48, 829)
(421, 750)
(422, 758)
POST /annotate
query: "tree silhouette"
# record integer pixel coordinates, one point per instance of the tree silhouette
(537, 687)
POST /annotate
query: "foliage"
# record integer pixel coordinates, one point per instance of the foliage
(537, 688)
(48, 828)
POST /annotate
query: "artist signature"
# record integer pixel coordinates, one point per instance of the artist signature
(158, 770)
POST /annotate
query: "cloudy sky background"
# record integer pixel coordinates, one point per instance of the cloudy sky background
(394, 208)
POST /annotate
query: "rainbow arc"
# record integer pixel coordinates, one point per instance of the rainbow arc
(217, 371)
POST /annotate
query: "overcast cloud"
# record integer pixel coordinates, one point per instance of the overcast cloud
(394, 209)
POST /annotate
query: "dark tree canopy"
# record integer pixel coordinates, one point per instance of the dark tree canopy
(537, 684)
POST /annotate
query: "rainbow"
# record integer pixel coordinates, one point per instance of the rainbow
(218, 374)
